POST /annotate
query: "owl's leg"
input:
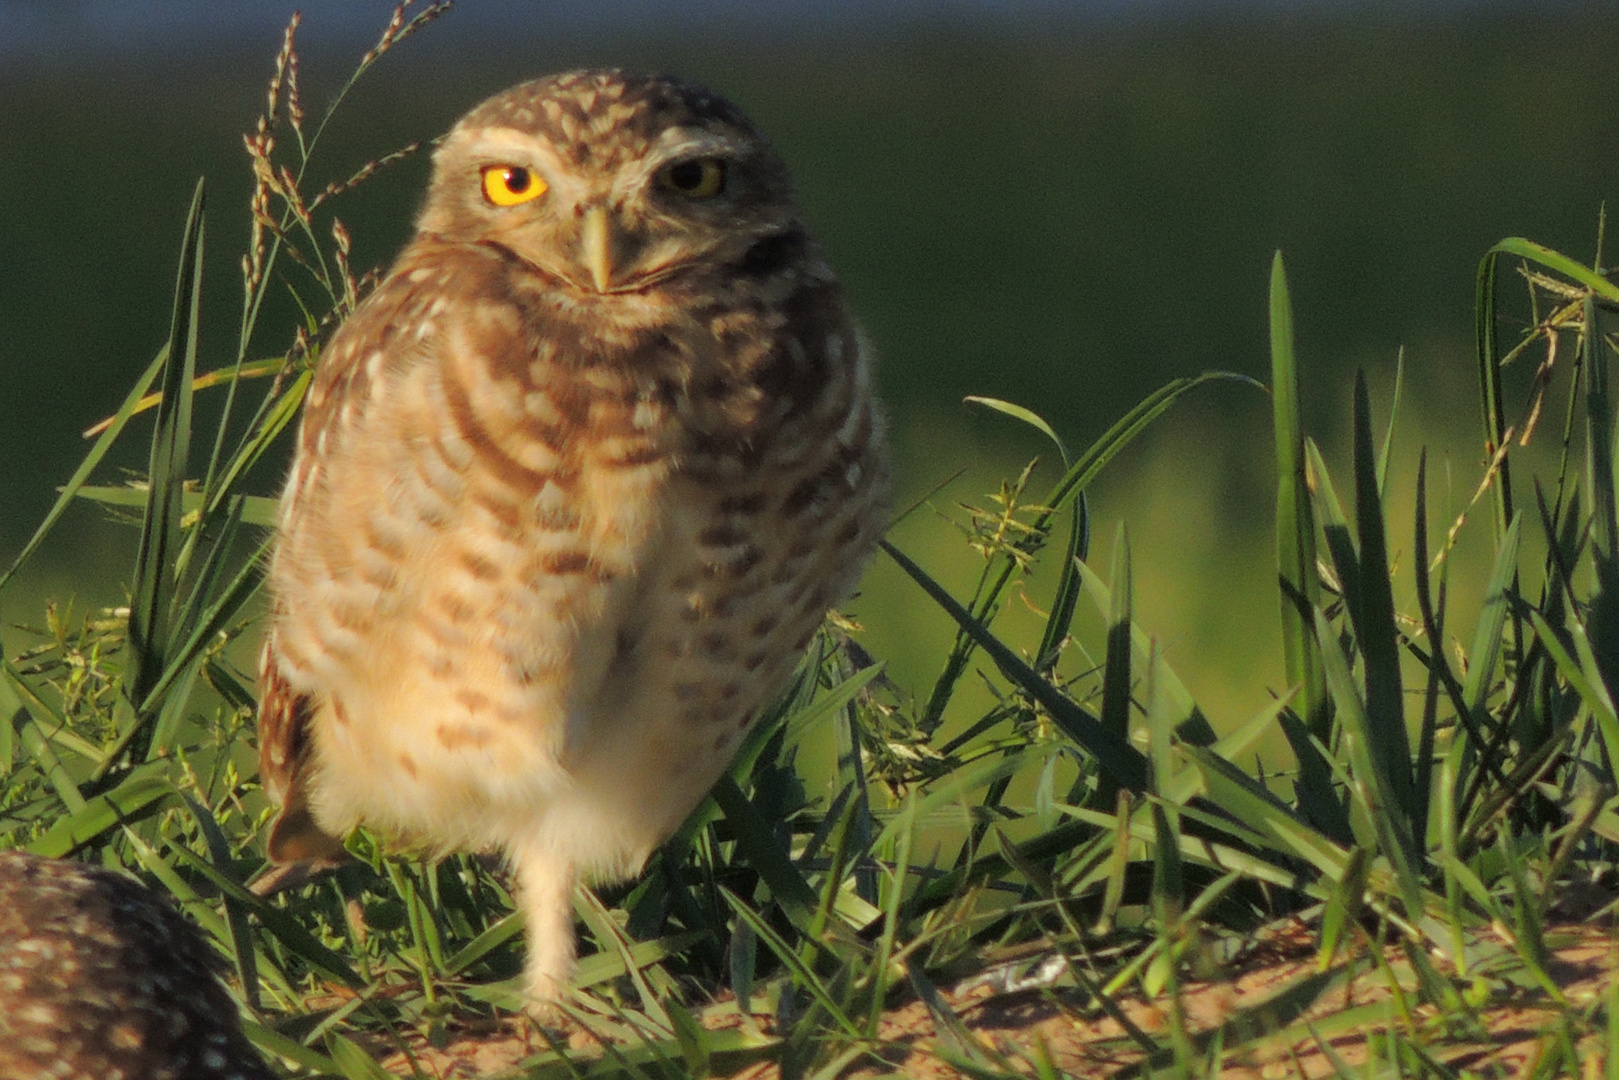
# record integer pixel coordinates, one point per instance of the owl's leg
(545, 884)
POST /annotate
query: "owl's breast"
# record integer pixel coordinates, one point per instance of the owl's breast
(762, 527)
(534, 573)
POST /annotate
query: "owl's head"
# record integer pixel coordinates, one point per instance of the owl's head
(611, 182)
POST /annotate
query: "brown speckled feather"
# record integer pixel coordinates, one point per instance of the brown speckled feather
(574, 487)
(101, 977)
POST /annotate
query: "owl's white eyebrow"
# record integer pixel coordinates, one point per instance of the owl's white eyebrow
(684, 142)
(506, 142)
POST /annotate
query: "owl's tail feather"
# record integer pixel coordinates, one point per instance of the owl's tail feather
(300, 849)
(296, 837)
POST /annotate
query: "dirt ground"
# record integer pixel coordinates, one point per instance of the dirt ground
(1082, 1040)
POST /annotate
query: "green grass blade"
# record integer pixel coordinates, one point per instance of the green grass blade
(1386, 450)
(1124, 762)
(892, 902)
(1599, 418)
(1485, 654)
(277, 1045)
(765, 854)
(491, 938)
(1066, 599)
(1027, 416)
(1193, 727)
(258, 510)
(1343, 909)
(1385, 813)
(352, 1062)
(1611, 1071)
(954, 1034)
(1562, 264)
(241, 935)
(139, 796)
(1439, 677)
(153, 588)
(803, 976)
(1116, 682)
(1489, 374)
(1124, 431)
(212, 621)
(1584, 676)
(1341, 543)
(1117, 685)
(1374, 624)
(1067, 595)
(1073, 483)
(274, 416)
(607, 966)
(1295, 525)
(28, 724)
(1244, 800)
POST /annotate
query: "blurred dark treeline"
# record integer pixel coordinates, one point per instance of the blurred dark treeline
(1060, 210)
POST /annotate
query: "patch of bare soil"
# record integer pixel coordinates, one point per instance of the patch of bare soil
(1081, 1039)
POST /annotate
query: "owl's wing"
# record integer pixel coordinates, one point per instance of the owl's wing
(285, 714)
(284, 742)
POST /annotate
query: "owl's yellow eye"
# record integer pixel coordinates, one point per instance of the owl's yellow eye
(700, 178)
(508, 185)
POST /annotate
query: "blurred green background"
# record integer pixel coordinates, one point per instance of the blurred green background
(1061, 205)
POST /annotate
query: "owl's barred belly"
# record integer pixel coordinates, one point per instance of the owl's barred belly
(582, 704)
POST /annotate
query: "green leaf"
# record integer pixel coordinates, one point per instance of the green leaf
(1343, 909)
(1558, 263)
(1599, 445)
(953, 1033)
(257, 510)
(803, 976)
(1374, 622)
(150, 610)
(1116, 684)
(1242, 798)
(352, 1062)
(1370, 784)
(1027, 416)
(1485, 654)
(493, 937)
(1295, 527)
(692, 1038)
(1124, 431)
(275, 1044)
(1489, 377)
(1115, 755)
(759, 845)
(138, 796)
(1300, 589)
(1386, 450)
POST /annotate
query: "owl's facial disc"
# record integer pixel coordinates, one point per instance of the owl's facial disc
(605, 217)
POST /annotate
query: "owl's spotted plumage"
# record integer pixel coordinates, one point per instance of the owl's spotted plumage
(573, 489)
(102, 978)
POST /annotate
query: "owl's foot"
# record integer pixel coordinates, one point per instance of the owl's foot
(543, 1005)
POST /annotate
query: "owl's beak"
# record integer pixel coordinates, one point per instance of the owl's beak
(596, 247)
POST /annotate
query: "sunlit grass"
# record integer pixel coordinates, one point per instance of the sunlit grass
(1399, 754)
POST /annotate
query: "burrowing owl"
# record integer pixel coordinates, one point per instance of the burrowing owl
(573, 489)
(101, 978)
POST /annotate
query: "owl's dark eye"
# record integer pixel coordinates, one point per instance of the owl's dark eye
(508, 185)
(699, 178)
